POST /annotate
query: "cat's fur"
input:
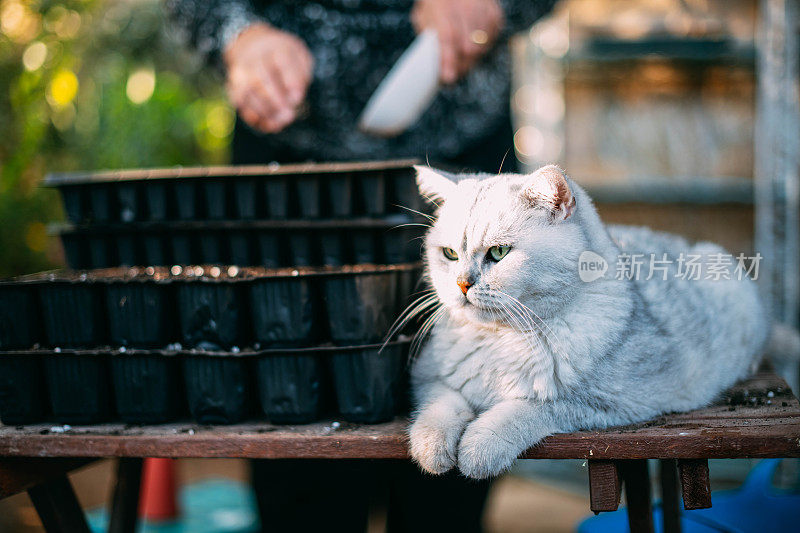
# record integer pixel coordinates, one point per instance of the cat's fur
(496, 376)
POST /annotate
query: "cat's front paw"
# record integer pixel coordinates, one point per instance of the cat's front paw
(433, 444)
(483, 454)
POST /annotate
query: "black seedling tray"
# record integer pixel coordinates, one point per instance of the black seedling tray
(391, 240)
(292, 385)
(214, 307)
(336, 190)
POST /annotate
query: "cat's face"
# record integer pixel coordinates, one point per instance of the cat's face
(503, 248)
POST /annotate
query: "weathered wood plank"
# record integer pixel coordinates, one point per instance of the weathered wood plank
(388, 441)
(735, 427)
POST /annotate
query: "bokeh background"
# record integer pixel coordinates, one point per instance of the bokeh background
(624, 93)
(88, 85)
(649, 103)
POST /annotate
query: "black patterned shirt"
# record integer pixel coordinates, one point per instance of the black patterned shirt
(354, 44)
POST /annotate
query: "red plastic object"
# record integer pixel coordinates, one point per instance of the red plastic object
(157, 502)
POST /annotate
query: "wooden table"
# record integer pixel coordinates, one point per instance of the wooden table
(757, 418)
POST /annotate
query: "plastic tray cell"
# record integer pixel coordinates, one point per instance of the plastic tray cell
(139, 314)
(362, 308)
(307, 196)
(19, 318)
(284, 312)
(218, 388)
(276, 195)
(367, 382)
(147, 388)
(156, 201)
(80, 388)
(73, 314)
(214, 198)
(339, 195)
(245, 198)
(23, 398)
(372, 194)
(289, 388)
(127, 204)
(212, 315)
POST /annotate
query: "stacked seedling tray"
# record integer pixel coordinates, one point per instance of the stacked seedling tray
(148, 345)
(273, 215)
(304, 269)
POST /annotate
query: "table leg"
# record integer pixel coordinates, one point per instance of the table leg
(604, 485)
(58, 507)
(18, 474)
(636, 479)
(125, 505)
(695, 483)
(669, 496)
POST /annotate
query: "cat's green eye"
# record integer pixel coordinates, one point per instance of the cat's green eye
(496, 253)
(450, 254)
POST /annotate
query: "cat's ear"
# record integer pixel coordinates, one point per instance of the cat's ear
(548, 188)
(434, 185)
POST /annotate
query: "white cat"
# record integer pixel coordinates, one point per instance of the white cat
(521, 348)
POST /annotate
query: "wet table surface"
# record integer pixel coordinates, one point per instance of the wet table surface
(757, 418)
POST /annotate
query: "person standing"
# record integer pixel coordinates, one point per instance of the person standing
(300, 74)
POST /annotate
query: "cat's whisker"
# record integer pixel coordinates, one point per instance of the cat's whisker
(551, 337)
(521, 324)
(529, 320)
(414, 309)
(421, 335)
(500, 170)
(426, 215)
(428, 197)
(529, 310)
(520, 320)
(411, 224)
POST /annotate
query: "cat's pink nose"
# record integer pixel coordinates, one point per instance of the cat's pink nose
(464, 284)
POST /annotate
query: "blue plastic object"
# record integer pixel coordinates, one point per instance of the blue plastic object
(756, 507)
(210, 506)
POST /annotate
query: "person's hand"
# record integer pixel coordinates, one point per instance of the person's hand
(268, 73)
(466, 28)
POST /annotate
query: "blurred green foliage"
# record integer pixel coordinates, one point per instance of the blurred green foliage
(87, 85)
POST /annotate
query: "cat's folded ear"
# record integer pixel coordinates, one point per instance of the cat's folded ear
(434, 185)
(548, 188)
